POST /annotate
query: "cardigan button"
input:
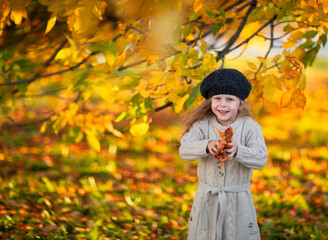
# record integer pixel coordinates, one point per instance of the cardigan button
(250, 225)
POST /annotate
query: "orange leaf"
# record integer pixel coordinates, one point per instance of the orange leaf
(151, 59)
(262, 59)
(286, 99)
(252, 65)
(299, 98)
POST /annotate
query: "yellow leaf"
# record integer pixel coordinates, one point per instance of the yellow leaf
(276, 58)
(298, 53)
(139, 129)
(5, 9)
(142, 87)
(156, 80)
(203, 46)
(178, 105)
(268, 88)
(93, 142)
(64, 53)
(209, 62)
(110, 58)
(289, 44)
(286, 99)
(107, 92)
(296, 36)
(181, 46)
(252, 65)
(18, 11)
(43, 127)
(193, 54)
(291, 78)
(302, 82)
(51, 23)
(198, 6)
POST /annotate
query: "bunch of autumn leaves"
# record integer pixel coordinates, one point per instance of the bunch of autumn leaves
(226, 137)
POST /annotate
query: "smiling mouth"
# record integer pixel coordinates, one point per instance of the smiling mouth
(223, 112)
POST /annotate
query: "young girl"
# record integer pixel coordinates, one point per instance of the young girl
(223, 207)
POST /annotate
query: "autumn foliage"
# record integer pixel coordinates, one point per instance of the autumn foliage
(83, 67)
(92, 94)
(226, 137)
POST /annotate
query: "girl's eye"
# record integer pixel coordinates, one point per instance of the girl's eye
(230, 99)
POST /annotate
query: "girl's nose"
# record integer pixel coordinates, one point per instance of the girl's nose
(222, 103)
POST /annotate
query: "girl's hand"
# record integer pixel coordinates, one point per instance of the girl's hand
(232, 150)
(212, 146)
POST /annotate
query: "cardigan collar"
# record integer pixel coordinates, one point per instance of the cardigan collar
(234, 125)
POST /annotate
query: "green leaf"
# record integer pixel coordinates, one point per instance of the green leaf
(180, 60)
(216, 28)
(212, 15)
(193, 55)
(288, 28)
(307, 44)
(267, 226)
(149, 104)
(23, 65)
(181, 46)
(96, 48)
(310, 34)
(186, 30)
(222, 13)
(22, 87)
(129, 83)
(192, 97)
(310, 56)
(123, 116)
(193, 16)
(111, 46)
(136, 98)
(49, 185)
(177, 34)
(323, 38)
(81, 76)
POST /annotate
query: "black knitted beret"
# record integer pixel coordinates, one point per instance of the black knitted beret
(225, 81)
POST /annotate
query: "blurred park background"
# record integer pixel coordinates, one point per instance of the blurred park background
(94, 96)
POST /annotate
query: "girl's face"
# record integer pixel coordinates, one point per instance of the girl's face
(225, 108)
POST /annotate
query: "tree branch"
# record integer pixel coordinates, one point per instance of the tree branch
(234, 5)
(29, 80)
(15, 124)
(254, 34)
(271, 46)
(52, 57)
(190, 42)
(166, 105)
(236, 35)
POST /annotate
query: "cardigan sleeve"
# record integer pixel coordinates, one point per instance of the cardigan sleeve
(193, 143)
(254, 154)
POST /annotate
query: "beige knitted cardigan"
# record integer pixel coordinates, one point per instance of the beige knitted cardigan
(223, 207)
